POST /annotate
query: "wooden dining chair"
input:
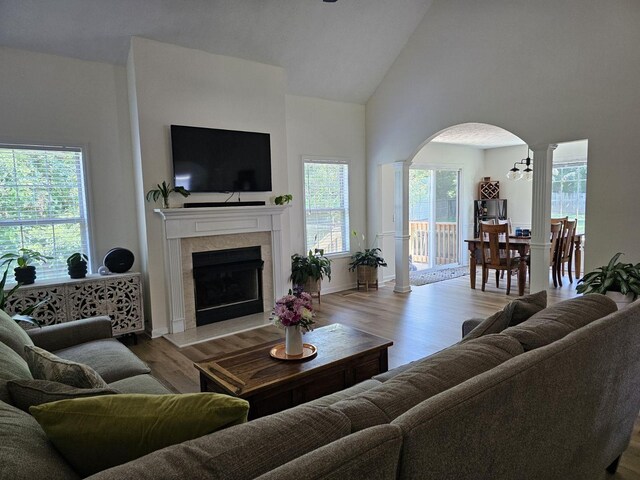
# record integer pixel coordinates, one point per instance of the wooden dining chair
(556, 231)
(495, 256)
(565, 249)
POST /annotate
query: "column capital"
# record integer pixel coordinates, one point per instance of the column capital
(543, 147)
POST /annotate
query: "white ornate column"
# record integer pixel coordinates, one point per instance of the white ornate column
(540, 216)
(276, 256)
(402, 227)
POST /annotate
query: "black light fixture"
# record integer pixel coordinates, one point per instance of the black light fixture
(527, 173)
(329, 1)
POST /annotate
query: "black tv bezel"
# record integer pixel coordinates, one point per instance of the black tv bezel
(270, 189)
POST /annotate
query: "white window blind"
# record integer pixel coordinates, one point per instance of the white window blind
(326, 195)
(43, 204)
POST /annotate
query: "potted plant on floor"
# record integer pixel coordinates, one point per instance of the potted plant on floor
(25, 272)
(366, 264)
(164, 190)
(307, 271)
(618, 280)
(77, 265)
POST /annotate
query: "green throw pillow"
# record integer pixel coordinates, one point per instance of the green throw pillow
(28, 393)
(12, 334)
(97, 433)
(47, 366)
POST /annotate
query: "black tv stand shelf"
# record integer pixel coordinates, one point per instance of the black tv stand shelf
(223, 204)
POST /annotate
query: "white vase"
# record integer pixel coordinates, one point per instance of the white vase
(293, 340)
(621, 300)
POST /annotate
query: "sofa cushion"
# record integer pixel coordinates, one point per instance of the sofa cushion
(13, 367)
(12, 334)
(47, 366)
(28, 393)
(342, 394)
(372, 454)
(513, 313)
(25, 452)
(383, 377)
(101, 432)
(241, 452)
(110, 358)
(555, 322)
(140, 384)
(427, 378)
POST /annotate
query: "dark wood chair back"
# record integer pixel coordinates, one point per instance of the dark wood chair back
(493, 254)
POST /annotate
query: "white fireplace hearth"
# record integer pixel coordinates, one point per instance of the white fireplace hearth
(190, 230)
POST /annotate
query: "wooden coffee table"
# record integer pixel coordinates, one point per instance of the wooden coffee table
(345, 357)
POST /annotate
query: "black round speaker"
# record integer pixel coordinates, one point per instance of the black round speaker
(118, 260)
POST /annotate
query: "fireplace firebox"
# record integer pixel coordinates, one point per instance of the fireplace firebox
(227, 284)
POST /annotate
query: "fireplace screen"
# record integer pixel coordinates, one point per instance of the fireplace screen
(228, 284)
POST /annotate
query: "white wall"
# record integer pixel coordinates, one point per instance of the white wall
(57, 100)
(175, 85)
(322, 128)
(518, 193)
(547, 71)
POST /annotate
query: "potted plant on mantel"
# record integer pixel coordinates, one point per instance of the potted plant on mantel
(618, 280)
(25, 272)
(307, 271)
(77, 265)
(164, 190)
(366, 266)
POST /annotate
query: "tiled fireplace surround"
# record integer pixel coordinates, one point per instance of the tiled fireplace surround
(189, 230)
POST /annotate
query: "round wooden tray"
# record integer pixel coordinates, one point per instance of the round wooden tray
(308, 351)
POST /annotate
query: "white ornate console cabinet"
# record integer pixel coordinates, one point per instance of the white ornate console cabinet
(116, 295)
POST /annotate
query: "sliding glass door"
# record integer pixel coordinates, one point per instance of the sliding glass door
(433, 218)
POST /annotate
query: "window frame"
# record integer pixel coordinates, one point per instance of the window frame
(86, 185)
(327, 160)
(573, 162)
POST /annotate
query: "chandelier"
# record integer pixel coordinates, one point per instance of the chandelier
(516, 174)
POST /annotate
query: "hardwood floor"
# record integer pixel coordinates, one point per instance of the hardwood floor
(420, 323)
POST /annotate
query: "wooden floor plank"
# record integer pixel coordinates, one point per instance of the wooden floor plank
(420, 323)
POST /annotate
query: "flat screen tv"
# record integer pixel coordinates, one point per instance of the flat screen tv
(214, 160)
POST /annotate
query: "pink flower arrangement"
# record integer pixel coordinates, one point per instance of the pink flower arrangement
(294, 309)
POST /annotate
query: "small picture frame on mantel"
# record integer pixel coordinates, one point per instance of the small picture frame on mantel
(488, 189)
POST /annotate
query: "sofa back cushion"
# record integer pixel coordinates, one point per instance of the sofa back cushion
(427, 378)
(559, 320)
(25, 452)
(12, 367)
(29, 393)
(565, 410)
(513, 313)
(242, 452)
(372, 454)
(12, 334)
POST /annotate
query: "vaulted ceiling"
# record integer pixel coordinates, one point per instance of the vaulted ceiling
(339, 51)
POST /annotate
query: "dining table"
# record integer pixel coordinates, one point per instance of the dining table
(521, 245)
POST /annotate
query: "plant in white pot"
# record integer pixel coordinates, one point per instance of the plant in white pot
(618, 280)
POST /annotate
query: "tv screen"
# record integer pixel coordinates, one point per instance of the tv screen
(214, 160)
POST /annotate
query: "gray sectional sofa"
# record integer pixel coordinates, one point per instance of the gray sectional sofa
(553, 397)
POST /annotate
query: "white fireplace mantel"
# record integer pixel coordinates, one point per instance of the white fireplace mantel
(179, 223)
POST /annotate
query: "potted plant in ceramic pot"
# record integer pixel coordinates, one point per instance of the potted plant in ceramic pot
(618, 280)
(77, 265)
(25, 272)
(307, 271)
(24, 315)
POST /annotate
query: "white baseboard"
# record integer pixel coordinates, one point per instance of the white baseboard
(158, 332)
(337, 288)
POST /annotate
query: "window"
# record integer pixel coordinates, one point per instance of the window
(43, 204)
(326, 204)
(569, 191)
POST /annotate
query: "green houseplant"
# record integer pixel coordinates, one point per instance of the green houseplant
(283, 199)
(619, 280)
(163, 191)
(307, 271)
(366, 264)
(77, 265)
(25, 272)
(25, 314)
